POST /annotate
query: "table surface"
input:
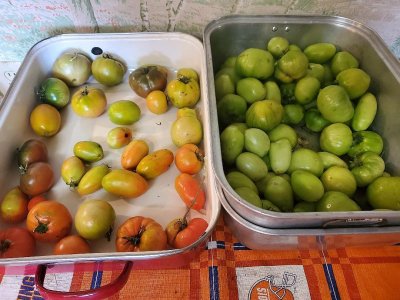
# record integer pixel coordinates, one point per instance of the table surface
(225, 269)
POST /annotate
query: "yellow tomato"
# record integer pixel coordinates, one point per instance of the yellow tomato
(156, 102)
(45, 120)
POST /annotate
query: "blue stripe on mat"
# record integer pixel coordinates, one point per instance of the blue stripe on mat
(96, 279)
(214, 283)
(239, 246)
(330, 279)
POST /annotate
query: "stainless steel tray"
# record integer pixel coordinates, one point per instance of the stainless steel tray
(230, 35)
(261, 238)
(161, 202)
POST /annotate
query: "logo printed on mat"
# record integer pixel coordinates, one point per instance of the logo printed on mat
(272, 283)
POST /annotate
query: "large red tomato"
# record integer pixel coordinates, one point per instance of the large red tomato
(16, 242)
(49, 221)
(140, 234)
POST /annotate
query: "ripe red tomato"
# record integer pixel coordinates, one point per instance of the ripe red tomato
(189, 158)
(35, 200)
(181, 233)
(38, 179)
(16, 242)
(140, 234)
(14, 206)
(190, 190)
(71, 244)
(49, 221)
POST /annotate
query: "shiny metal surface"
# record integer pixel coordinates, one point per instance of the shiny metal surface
(160, 202)
(230, 35)
(256, 237)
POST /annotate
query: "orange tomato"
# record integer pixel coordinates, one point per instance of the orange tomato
(45, 120)
(71, 244)
(133, 154)
(181, 233)
(35, 200)
(49, 221)
(189, 158)
(140, 234)
(190, 191)
(156, 102)
(155, 163)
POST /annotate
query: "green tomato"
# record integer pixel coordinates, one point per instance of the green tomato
(336, 138)
(282, 76)
(339, 179)
(279, 191)
(314, 120)
(355, 81)
(231, 72)
(320, 53)
(231, 109)
(230, 62)
(306, 186)
(329, 77)
(268, 205)
(366, 167)
(260, 184)
(224, 85)
(88, 151)
(183, 92)
(364, 141)
(304, 206)
(294, 64)
(256, 141)
(249, 195)
(55, 92)
(257, 63)
(306, 89)
(251, 165)
(343, 60)
(124, 112)
(364, 113)
(307, 160)
(273, 91)
(330, 159)
(280, 156)
(232, 144)
(384, 193)
(316, 71)
(293, 114)
(278, 46)
(237, 179)
(108, 70)
(91, 180)
(336, 201)
(334, 104)
(294, 47)
(283, 131)
(264, 114)
(250, 89)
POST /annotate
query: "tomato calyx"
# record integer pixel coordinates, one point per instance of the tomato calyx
(134, 239)
(108, 234)
(184, 79)
(42, 227)
(85, 91)
(4, 245)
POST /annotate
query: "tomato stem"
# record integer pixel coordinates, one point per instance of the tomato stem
(134, 239)
(4, 245)
(41, 228)
(184, 79)
(85, 91)
(108, 233)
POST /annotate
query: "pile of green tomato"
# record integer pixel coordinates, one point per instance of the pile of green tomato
(295, 130)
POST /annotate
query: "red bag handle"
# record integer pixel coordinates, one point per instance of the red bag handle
(99, 293)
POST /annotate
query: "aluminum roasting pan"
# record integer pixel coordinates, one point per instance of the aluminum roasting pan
(230, 35)
(161, 202)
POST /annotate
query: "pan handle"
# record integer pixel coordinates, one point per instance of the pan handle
(99, 293)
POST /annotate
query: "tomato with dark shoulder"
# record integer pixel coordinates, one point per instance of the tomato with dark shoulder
(16, 242)
(31, 151)
(49, 221)
(38, 179)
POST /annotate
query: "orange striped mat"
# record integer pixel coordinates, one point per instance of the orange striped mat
(225, 269)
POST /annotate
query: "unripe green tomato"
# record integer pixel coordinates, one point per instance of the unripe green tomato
(320, 53)
(336, 138)
(294, 114)
(256, 141)
(355, 81)
(249, 195)
(254, 62)
(336, 201)
(279, 191)
(278, 46)
(124, 112)
(307, 160)
(343, 60)
(237, 179)
(232, 144)
(283, 131)
(364, 113)
(280, 155)
(339, 179)
(306, 186)
(250, 89)
(306, 89)
(251, 165)
(334, 104)
(88, 151)
(316, 71)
